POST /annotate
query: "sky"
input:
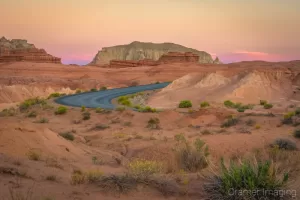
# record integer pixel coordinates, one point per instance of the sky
(233, 30)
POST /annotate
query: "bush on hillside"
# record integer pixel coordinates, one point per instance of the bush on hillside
(185, 104)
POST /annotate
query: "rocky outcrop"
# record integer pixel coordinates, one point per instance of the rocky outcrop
(20, 50)
(178, 57)
(142, 50)
(217, 61)
(131, 63)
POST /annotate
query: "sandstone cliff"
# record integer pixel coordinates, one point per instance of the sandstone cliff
(141, 50)
(16, 50)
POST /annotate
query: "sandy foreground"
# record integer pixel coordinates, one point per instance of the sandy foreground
(37, 161)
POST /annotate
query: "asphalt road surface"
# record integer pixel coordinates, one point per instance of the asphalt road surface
(103, 99)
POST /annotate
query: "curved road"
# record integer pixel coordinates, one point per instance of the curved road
(103, 99)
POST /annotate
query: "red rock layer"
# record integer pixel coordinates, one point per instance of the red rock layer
(29, 54)
(177, 57)
(131, 63)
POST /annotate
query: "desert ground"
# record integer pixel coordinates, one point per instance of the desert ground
(163, 153)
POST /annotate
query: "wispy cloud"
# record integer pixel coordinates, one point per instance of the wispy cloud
(252, 53)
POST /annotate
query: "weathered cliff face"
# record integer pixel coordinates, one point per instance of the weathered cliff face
(177, 57)
(19, 50)
(142, 50)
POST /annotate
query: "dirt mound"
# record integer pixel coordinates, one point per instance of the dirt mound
(245, 87)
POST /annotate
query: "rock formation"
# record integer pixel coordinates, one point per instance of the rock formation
(178, 57)
(20, 50)
(142, 50)
(217, 61)
(131, 63)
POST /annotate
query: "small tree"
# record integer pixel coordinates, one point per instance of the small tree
(185, 104)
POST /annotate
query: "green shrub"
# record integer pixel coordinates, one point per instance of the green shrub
(241, 110)
(8, 112)
(180, 137)
(194, 157)
(185, 104)
(137, 107)
(103, 88)
(33, 155)
(86, 116)
(144, 168)
(297, 133)
(32, 114)
(54, 95)
(263, 102)
(250, 122)
(147, 109)
(120, 108)
(67, 136)
(153, 123)
(42, 121)
(77, 177)
(204, 104)
(297, 111)
(285, 144)
(31, 102)
(78, 91)
(61, 110)
(246, 176)
(231, 121)
(82, 108)
(268, 106)
(100, 127)
(93, 176)
(93, 90)
(229, 104)
(126, 103)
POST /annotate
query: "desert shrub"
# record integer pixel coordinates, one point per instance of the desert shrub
(250, 122)
(229, 104)
(51, 178)
(144, 168)
(180, 137)
(288, 118)
(93, 90)
(122, 183)
(297, 111)
(120, 108)
(54, 95)
(192, 158)
(153, 123)
(206, 132)
(93, 175)
(8, 112)
(99, 110)
(137, 107)
(263, 102)
(32, 114)
(240, 110)
(77, 177)
(138, 137)
(78, 91)
(103, 88)
(204, 104)
(33, 155)
(185, 104)
(67, 136)
(147, 109)
(297, 133)
(246, 176)
(257, 126)
(157, 82)
(283, 143)
(127, 123)
(100, 127)
(126, 103)
(42, 121)
(61, 110)
(231, 121)
(134, 83)
(31, 102)
(82, 108)
(268, 106)
(86, 116)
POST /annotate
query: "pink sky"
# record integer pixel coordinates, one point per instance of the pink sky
(234, 30)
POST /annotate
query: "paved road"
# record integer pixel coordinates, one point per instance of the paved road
(103, 99)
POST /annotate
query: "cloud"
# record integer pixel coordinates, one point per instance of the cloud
(251, 53)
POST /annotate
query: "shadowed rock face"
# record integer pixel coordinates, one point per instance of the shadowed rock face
(142, 50)
(20, 50)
